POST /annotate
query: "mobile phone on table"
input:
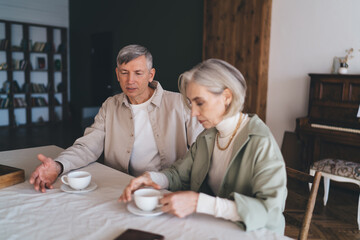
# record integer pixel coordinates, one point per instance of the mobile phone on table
(134, 234)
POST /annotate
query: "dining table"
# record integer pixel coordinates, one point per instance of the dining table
(94, 214)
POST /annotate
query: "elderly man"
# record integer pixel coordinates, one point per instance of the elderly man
(145, 128)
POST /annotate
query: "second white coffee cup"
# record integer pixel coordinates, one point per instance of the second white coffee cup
(147, 199)
(77, 180)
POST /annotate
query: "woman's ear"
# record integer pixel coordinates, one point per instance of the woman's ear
(227, 94)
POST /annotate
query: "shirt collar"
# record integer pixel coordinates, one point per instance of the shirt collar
(155, 99)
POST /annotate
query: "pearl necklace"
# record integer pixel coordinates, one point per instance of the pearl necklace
(232, 136)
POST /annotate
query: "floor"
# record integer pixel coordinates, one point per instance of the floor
(337, 220)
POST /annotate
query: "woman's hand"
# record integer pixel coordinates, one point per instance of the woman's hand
(180, 204)
(136, 183)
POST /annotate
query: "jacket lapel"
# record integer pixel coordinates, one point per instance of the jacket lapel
(205, 159)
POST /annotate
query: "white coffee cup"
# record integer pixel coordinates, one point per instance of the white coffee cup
(77, 180)
(147, 199)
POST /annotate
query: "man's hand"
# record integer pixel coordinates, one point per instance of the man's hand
(45, 175)
(136, 183)
(180, 204)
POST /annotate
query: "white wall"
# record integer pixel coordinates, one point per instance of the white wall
(305, 37)
(48, 12)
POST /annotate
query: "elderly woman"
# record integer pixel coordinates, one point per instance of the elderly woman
(235, 169)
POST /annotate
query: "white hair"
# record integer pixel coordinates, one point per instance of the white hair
(216, 75)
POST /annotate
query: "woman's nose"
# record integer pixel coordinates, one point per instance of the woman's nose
(194, 111)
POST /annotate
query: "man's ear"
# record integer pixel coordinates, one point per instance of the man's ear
(117, 73)
(152, 74)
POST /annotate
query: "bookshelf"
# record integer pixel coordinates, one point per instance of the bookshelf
(33, 74)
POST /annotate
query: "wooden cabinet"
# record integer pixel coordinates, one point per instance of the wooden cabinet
(33, 74)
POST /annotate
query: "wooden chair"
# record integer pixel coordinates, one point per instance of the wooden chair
(340, 171)
(314, 181)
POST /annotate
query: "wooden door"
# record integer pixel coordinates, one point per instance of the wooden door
(238, 31)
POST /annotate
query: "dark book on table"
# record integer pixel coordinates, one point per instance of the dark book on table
(134, 234)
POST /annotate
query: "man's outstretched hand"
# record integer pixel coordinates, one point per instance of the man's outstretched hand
(45, 174)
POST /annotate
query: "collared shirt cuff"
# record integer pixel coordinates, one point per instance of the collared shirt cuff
(160, 179)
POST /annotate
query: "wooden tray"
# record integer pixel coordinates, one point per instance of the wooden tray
(10, 176)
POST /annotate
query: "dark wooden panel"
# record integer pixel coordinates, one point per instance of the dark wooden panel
(331, 91)
(238, 31)
(354, 92)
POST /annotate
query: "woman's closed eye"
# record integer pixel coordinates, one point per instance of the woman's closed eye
(199, 103)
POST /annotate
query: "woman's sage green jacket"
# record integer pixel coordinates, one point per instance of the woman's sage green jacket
(255, 178)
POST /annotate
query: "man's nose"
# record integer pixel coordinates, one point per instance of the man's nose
(131, 78)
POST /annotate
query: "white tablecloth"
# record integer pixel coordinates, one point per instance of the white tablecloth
(27, 214)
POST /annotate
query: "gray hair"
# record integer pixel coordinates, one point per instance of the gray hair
(130, 52)
(216, 75)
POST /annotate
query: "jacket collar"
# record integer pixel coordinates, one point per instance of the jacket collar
(253, 127)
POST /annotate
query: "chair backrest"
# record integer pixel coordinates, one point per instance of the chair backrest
(315, 181)
(291, 150)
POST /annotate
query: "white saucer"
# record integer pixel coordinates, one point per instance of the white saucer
(135, 210)
(92, 186)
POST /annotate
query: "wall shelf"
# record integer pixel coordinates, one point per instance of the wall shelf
(19, 72)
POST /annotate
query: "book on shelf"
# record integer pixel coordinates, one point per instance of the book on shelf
(38, 102)
(41, 62)
(16, 87)
(57, 65)
(2, 100)
(38, 88)
(15, 64)
(19, 102)
(47, 47)
(4, 44)
(5, 102)
(6, 86)
(61, 48)
(36, 47)
(3, 66)
(25, 44)
(41, 47)
(26, 87)
(21, 64)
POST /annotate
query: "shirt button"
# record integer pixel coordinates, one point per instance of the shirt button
(128, 151)
(132, 135)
